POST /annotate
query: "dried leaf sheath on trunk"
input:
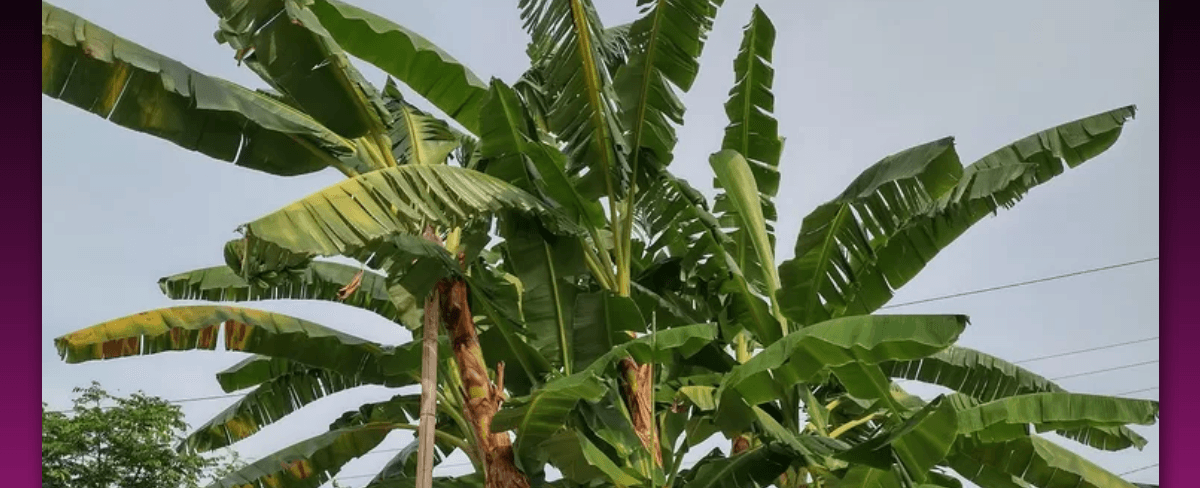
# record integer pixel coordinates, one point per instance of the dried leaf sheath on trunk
(483, 398)
(639, 400)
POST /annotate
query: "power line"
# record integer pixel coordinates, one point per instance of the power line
(1097, 348)
(1152, 388)
(1023, 283)
(1086, 373)
(1143, 468)
(182, 400)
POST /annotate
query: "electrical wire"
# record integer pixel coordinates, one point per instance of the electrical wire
(1098, 348)
(1143, 468)
(1023, 283)
(1095, 371)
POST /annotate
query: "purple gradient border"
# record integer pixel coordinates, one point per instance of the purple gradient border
(21, 426)
(1179, 204)
(20, 241)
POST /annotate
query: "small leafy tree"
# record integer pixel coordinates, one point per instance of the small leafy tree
(129, 444)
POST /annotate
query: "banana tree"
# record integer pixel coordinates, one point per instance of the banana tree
(625, 349)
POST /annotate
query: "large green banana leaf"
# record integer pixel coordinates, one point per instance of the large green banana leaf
(1033, 459)
(602, 321)
(568, 37)
(581, 461)
(1064, 412)
(855, 260)
(473, 480)
(754, 133)
(839, 233)
(255, 370)
(545, 265)
(814, 449)
(429, 71)
(987, 378)
(285, 44)
(417, 137)
(915, 445)
(245, 330)
(136, 88)
(666, 43)
(318, 281)
(404, 411)
(540, 415)
(309, 463)
(801, 356)
(403, 466)
(674, 217)
(743, 199)
(267, 404)
(757, 466)
(863, 476)
(513, 151)
(502, 337)
(1000, 179)
(378, 215)
(658, 347)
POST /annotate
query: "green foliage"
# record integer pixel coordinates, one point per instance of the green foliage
(585, 259)
(106, 441)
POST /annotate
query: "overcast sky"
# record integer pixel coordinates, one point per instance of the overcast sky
(855, 81)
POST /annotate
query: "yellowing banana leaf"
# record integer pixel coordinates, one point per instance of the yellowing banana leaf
(429, 71)
(318, 281)
(357, 217)
(310, 463)
(242, 330)
(136, 88)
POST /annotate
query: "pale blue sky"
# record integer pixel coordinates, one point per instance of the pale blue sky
(855, 81)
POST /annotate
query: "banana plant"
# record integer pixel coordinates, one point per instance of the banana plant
(618, 320)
